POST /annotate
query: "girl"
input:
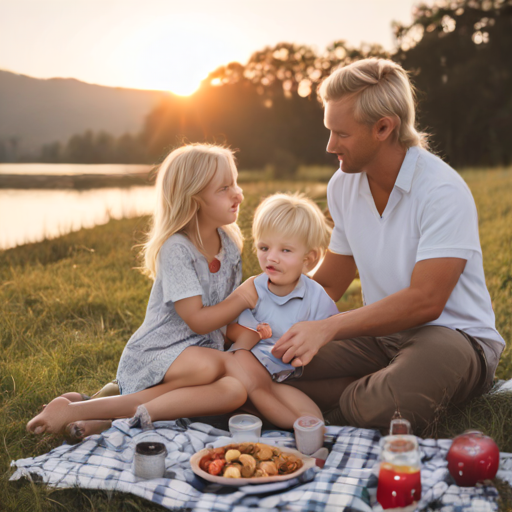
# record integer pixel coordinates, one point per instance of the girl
(193, 254)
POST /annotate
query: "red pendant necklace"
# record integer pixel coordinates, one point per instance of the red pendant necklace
(214, 266)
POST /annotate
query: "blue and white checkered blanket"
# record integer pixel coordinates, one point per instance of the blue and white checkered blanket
(347, 482)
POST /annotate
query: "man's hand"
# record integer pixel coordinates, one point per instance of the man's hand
(247, 293)
(302, 341)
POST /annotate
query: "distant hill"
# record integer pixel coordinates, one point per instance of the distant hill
(37, 111)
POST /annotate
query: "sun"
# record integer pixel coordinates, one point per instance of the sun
(185, 89)
(172, 54)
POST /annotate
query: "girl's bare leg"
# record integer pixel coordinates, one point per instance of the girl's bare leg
(224, 395)
(279, 403)
(195, 366)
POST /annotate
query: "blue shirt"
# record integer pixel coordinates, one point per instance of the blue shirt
(308, 301)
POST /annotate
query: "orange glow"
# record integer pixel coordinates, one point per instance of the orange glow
(172, 53)
(185, 89)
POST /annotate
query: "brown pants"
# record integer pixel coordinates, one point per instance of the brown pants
(418, 371)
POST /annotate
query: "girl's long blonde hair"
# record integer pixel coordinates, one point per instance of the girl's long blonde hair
(183, 174)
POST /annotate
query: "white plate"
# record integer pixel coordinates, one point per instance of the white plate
(308, 462)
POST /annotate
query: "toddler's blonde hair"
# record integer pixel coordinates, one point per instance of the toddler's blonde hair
(183, 174)
(381, 88)
(294, 216)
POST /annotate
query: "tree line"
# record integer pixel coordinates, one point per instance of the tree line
(459, 55)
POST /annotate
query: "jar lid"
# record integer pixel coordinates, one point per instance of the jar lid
(149, 448)
(400, 444)
(307, 423)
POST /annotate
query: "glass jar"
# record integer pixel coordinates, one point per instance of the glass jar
(245, 428)
(399, 474)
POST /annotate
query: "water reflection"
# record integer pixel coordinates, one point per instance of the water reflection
(72, 169)
(33, 215)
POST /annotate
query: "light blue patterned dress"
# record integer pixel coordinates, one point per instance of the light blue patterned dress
(182, 272)
(307, 301)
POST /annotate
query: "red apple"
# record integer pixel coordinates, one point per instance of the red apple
(472, 458)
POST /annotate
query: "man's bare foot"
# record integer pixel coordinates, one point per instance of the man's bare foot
(52, 419)
(78, 430)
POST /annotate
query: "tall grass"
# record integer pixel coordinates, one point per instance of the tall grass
(69, 305)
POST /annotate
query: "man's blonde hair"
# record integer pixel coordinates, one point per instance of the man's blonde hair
(381, 88)
(292, 215)
(184, 173)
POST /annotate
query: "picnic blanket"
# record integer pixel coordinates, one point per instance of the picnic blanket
(347, 483)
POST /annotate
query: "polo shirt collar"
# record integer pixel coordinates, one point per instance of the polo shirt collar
(408, 169)
(297, 293)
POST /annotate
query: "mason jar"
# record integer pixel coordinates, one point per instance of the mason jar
(399, 473)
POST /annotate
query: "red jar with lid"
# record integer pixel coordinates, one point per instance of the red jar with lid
(399, 474)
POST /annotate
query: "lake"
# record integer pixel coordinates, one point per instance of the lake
(31, 215)
(71, 169)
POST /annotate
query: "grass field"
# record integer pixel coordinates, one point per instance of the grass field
(70, 304)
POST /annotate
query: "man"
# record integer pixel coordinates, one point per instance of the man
(408, 223)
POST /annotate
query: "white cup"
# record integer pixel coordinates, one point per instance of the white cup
(309, 434)
(245, 428)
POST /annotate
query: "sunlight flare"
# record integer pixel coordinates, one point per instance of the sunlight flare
(174, 53)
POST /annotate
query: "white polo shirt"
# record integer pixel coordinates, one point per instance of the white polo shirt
(430, 214)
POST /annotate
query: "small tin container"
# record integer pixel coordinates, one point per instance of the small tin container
(149, 460)
(309, 434)
(245, 428)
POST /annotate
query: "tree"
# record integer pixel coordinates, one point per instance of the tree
(460, 54)
(268, 109)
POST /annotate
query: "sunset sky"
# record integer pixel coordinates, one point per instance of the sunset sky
(170, 44)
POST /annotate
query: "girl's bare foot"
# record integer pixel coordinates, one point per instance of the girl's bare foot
(78, 430)
(52, 419)
(72, 396)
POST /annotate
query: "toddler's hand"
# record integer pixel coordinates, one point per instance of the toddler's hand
(264, 330)
(247, 292)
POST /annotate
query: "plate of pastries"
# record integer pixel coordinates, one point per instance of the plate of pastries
(247, 463)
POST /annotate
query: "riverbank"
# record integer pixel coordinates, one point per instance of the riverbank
(83, 177)
(78, 182)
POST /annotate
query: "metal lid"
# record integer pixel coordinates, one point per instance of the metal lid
(399, 444)
(149, 448)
